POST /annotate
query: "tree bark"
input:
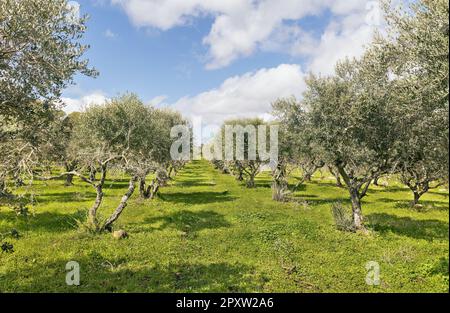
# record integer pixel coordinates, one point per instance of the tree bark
(69, 180)
(143, 191)
(356, 208)
(70, 166)
(307, 177)
(251, 182)
(355, 197)
(153, 190)
(122, 205)
(375, 181)
(417, 196)
(279, 184)
(92, 215)
(92, 173)
(337, 176)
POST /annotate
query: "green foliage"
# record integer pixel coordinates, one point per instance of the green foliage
(416, 51)
(40, 53)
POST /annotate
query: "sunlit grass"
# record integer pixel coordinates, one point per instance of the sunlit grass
(208, 233)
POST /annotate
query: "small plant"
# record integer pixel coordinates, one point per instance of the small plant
(21, 210)
(343, 218)
(7, 247)
(15, 234)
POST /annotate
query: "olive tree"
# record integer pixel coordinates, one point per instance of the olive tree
(40, 52)
(241, 151)
(158, 144)
(417, 52)
(298, 148)
(350, 118)
(111, 136)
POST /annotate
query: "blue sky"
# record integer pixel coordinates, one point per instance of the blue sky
(215, 58)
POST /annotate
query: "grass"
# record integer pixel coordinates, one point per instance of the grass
(208, 233)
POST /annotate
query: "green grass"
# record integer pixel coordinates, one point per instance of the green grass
(208, 233)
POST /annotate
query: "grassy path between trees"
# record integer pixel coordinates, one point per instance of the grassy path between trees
(208, 233)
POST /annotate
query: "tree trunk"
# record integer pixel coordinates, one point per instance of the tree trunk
(338, 181)
(154, 191)
(417, 196)
(142, 189)
(92, 173)
(251, 181)
(356, 208)
(70, 166)
(2, 187)
(375, 181)
(240, 176)
(122, 205)
(69, 180)
(92, 215)
(337, 176)
(307, 177)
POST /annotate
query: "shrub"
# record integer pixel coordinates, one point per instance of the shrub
(343, 218)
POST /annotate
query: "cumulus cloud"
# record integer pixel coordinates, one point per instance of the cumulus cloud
(345, 36)
(241, 27)
(250, 94)
(79, 104)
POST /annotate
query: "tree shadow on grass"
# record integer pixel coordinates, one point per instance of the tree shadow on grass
(45, 221)
(194, 183)
(424, 205)
(190, 222)
(99, 274)
(263, 183)
(406, 226)
(314, 200)
(197, 197)
(63, 197)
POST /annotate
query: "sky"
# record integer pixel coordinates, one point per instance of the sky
(216, 59)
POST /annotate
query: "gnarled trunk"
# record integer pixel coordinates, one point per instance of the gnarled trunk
(417, 196)
(144, 190)
(122, 205)
(337, 176)
(307, 177)
(70, 166)
(92, 173)
(356, 208)
(92, 214)
(357, 191)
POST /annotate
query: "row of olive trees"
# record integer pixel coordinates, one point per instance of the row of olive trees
(385, 113)
(122, 135)
(41, 50)
(243, 167)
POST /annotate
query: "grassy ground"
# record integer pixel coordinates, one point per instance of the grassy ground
(208, 233)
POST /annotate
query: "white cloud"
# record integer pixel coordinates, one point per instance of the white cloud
(79, 104)
(344, 37)
(247, 95)
(110, 34)
(241, 27)
(158, 101)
